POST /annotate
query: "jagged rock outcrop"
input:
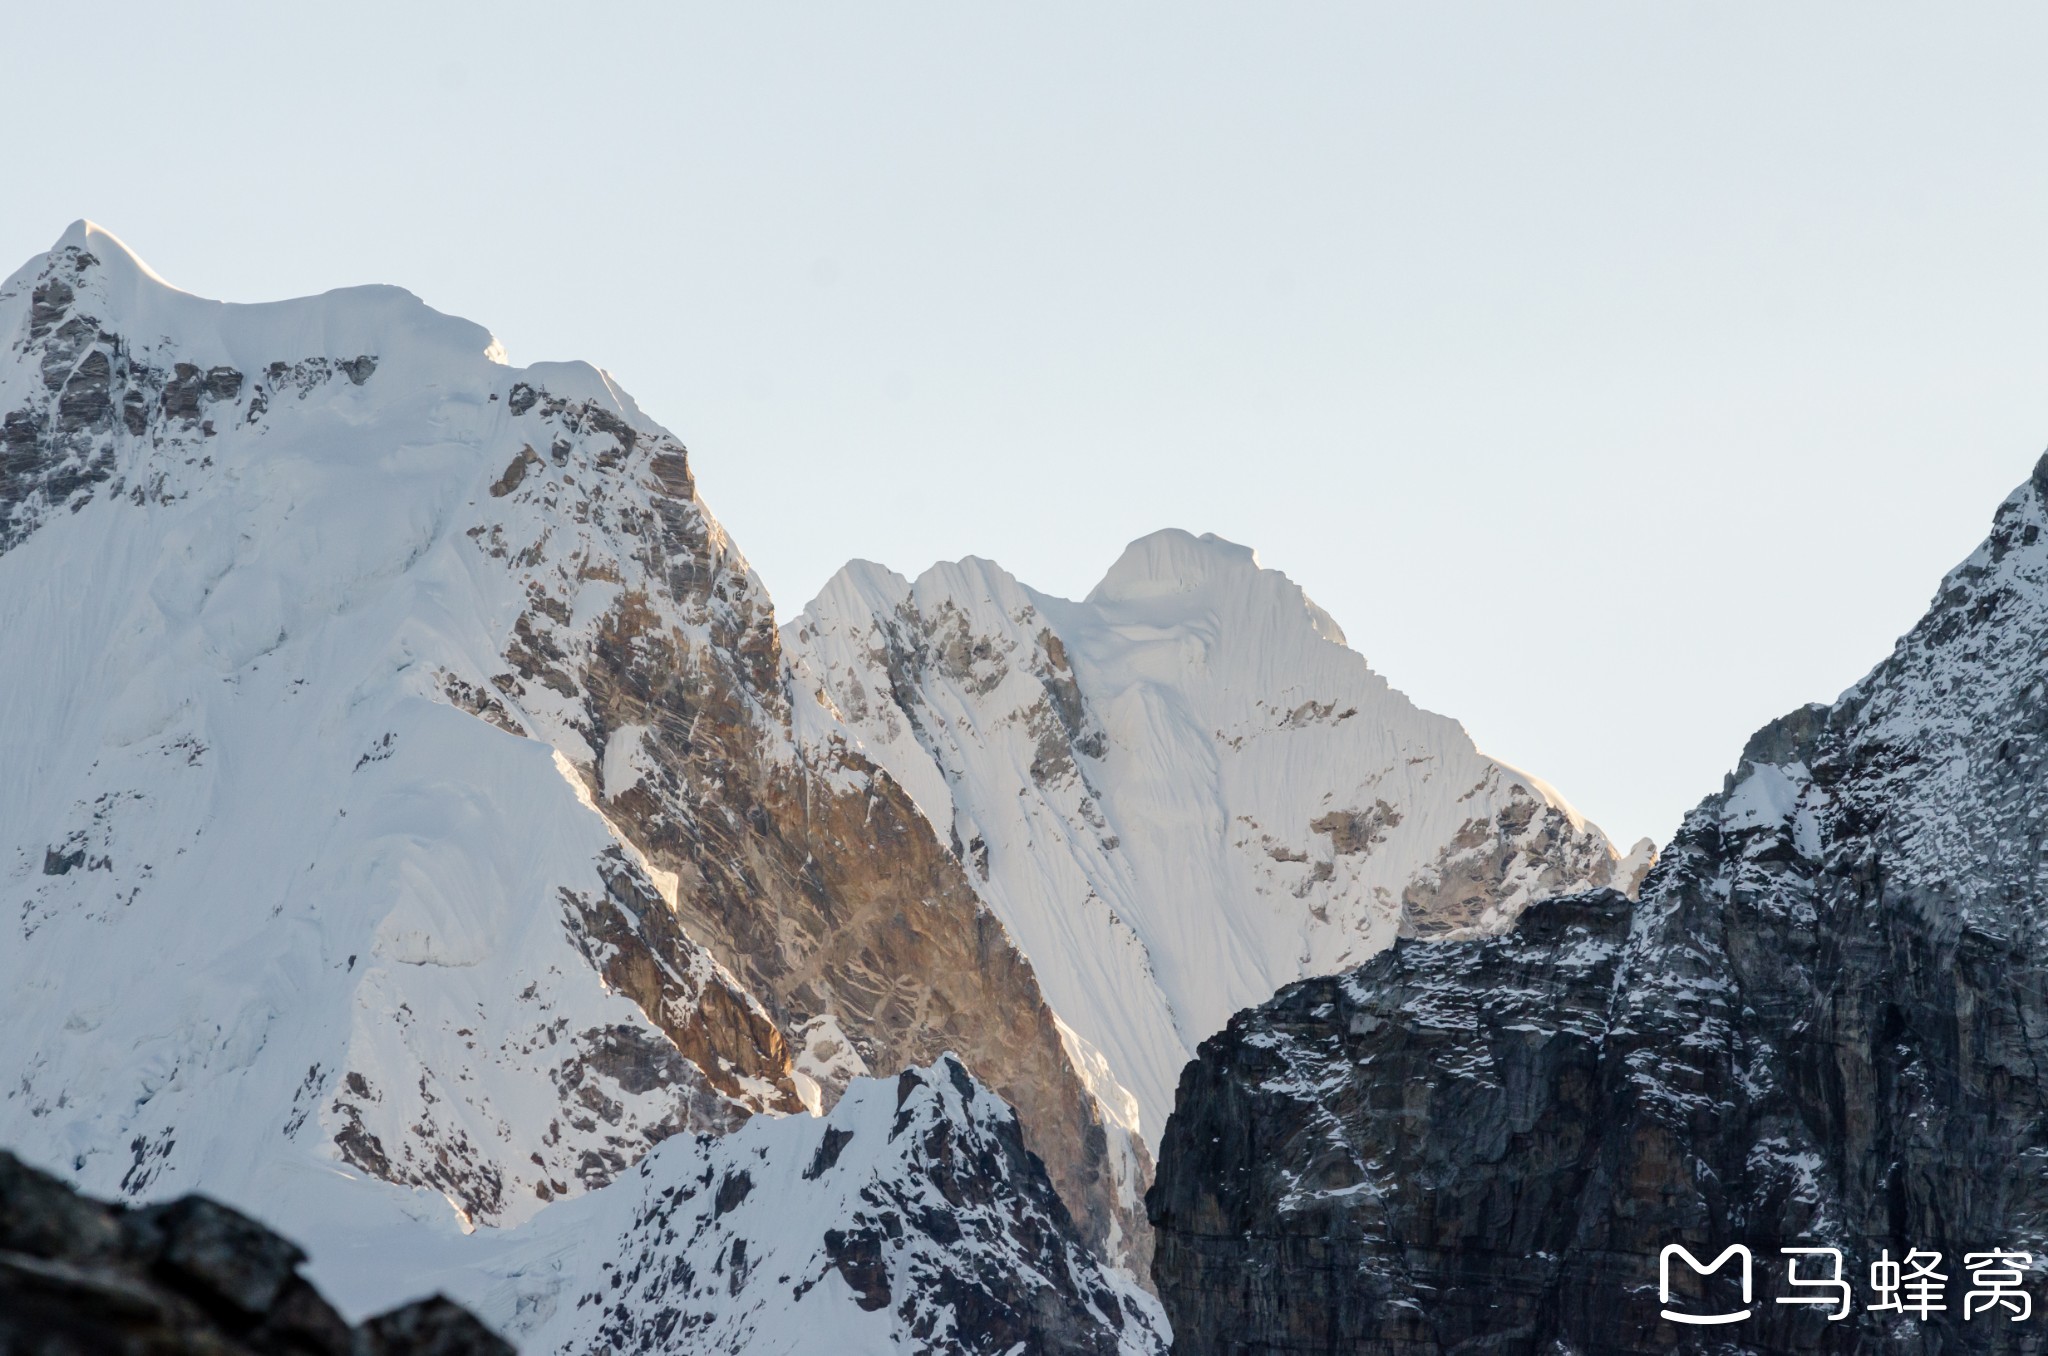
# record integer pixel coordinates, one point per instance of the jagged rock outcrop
(1821, 1026)
(1318, 1191)
(186, 1278)
(911, 1218)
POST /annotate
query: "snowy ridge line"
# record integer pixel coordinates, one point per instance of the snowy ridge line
(1181, 793)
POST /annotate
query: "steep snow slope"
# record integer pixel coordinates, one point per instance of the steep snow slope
(910, 1219)
(1182, 792)
(401, 785)
(271, 894)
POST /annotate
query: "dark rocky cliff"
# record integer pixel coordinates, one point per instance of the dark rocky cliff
(78, 1278)
(1822, 1026)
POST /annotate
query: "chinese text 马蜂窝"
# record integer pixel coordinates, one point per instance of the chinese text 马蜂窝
(1911, 1286)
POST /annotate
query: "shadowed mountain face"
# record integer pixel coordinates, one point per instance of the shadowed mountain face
(1822, 1026)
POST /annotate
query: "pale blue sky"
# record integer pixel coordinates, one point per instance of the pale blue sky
(1619, 376)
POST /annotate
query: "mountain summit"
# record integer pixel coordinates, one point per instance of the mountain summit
(406, 789)
(1181, 793)
(419, 836)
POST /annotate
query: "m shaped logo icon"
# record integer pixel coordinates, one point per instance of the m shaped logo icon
(1703, 1269)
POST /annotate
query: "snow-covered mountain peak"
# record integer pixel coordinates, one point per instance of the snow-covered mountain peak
(581, 383)
(969, 581)
(124, 266)
(91, 277)
(298, 879)
(1179, 793)
(404, 782)
(1170, 560)
(1172, 574)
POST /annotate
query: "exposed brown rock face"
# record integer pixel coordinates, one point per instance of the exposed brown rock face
(1459, 895)
(648, 652)
(637, 944)
(190, 1278)
(864, 916)
(1357, 830)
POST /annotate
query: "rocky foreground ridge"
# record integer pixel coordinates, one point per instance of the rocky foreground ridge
(187, 1278)
(1822, 1025)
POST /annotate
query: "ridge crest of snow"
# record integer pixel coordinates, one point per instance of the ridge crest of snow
(1173, 571)
(1180, 793)
(1171, 560)
(128, 297)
